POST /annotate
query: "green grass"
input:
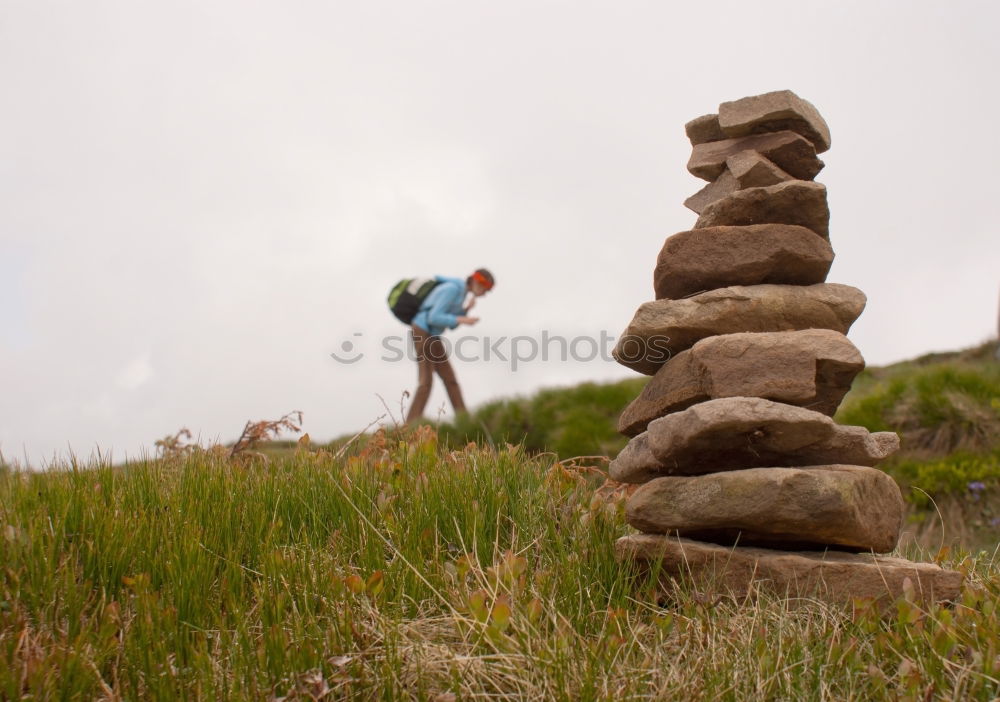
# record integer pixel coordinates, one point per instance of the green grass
(946, 409)
(945, 406)
(573, 421)
(938, 404)
(196, 575)
(405, 569)
(952, 475)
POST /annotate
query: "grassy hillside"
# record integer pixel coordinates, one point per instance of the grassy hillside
(939, 404)
(413, 565)
(573, 421)
(946, 408)
(402, 569)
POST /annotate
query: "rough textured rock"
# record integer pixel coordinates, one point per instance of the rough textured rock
(771, 112)
(812, 368)
(635, 459)
(666, 327)
(788, 150)
(747, 169)
(792, 202)
(719, 188)
(849, 507)
(833, 577)
(734, 433)
(703, 129)
(678, 384)
(732, 439)
(751, 170)
(716, 257)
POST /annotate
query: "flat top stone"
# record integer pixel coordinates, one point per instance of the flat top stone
(781, 109)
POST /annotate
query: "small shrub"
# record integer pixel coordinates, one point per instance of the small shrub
(937, 408)
(952, 475)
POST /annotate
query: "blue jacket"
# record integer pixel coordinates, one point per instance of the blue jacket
(442, 308)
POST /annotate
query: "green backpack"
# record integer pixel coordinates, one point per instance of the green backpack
(407, 295)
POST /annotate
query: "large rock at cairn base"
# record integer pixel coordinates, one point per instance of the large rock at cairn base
(849, 507)
(734, 433)
(787, 150)
(812, 368)
(792, 202)
(716, 257)
(833, 576)
(665, 327)
(771, 112)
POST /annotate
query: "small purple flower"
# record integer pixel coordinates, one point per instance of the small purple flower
(995, 522)
(976, 486)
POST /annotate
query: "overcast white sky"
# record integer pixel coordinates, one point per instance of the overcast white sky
(199, 201)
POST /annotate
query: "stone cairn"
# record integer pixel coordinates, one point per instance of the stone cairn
(745, 479)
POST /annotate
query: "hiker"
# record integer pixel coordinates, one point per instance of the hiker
(440, 304)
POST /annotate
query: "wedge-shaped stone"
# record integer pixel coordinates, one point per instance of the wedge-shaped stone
(721, 187)
(788, 150)
(833, 576)
(792, 202)
(678, 384)
(838, 506)
(734, 433)
(662, 328)
(747, 169)
(703, 129)
(771, 112)
(716, 257)
(751, 170)
(812, 368)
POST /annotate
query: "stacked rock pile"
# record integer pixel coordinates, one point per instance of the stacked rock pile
(745, 478)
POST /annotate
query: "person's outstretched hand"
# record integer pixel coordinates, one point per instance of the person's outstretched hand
(468, 320)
